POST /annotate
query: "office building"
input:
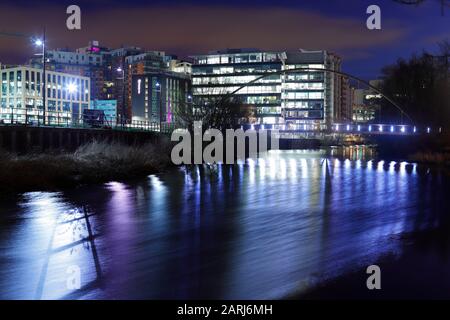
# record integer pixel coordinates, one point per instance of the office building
(112, 72)
(366, 103)
(156, 96)
(21, 96)
(156, 85)
(119, 67)
(288, 100)
(109, 107)
(180, 66)
(92, 61)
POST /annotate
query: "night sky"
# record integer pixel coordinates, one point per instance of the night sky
(190, 27)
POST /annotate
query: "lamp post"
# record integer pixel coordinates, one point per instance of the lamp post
(41, 43)
(121, 70)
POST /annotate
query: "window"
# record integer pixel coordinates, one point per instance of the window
(213, 60)
(38, 83)
(11, 83)
(27, 82)
(4, 84)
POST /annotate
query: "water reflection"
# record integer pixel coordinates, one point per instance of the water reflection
(261, 229)
(48, 238)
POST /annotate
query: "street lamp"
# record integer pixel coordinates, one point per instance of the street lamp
(38, 42)
(41, 43)
(122, 71)
(72, 88)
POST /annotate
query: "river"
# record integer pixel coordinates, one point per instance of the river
(263, 229)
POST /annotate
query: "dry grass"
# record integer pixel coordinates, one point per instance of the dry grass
(92, 163)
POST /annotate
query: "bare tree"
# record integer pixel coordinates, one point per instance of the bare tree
(219, 112)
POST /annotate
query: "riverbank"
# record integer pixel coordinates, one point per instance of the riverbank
(431, 150)
(420, 271)
(94, 162)
(441, 158)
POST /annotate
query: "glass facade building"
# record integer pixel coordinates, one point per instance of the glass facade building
(156, 96)
(109, 107)
(21, 93)
(290, 99)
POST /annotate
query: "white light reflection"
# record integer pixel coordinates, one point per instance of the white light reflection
(380, 165)
(347, 164)
(53, 237)
(337, 162)
(262, 168)
(293, 168)
(304, 168)
(402, 168)
(283, 170)
(392, 166)
(156, 182)
(272, 168)
(251, 170)
(159, 197)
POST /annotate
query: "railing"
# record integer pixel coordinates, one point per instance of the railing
(347, 128)
(397, 129)
(35, 118)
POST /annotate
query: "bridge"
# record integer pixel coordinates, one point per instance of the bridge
(167, 128)
(341, 128)
(23, 138)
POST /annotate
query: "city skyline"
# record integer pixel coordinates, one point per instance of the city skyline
(197, 27)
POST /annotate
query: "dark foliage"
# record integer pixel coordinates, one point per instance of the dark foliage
(421, 86)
